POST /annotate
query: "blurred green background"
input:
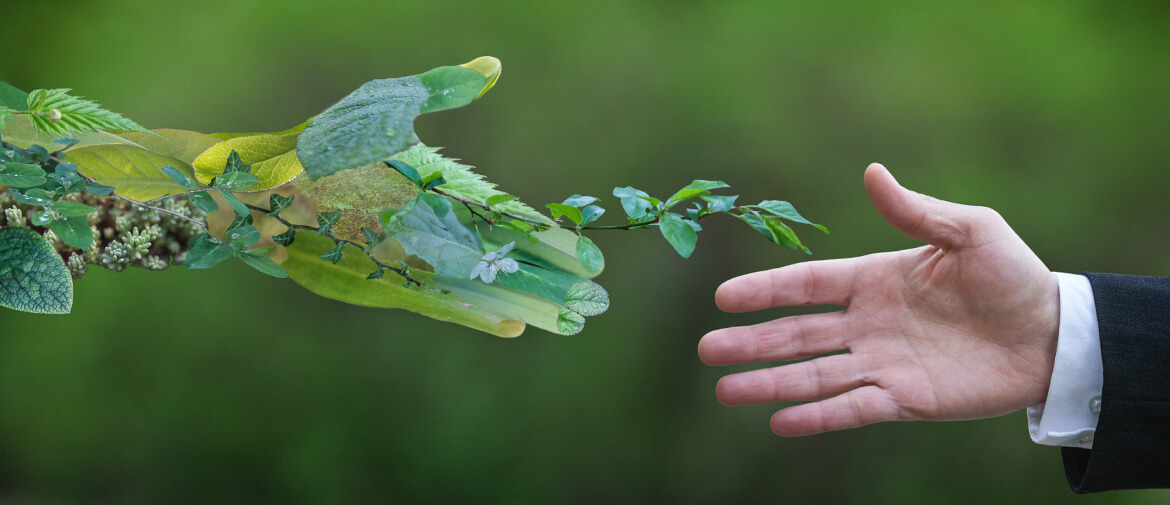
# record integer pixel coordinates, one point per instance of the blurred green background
(230, 387)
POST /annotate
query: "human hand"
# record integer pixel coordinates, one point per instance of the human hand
(962, 328)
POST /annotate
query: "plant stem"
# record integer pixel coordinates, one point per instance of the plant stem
(402, 273)
(472, 203)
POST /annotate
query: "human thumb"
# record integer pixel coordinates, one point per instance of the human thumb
(936, 222)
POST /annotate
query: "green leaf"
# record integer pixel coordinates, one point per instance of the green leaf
(590, 214)
(587, 298)
(285, 239)
(33, 277)
(589, 255)
(179, 177)
(72, 209)
(440, 205)
(277, 203)
(203, 201)
(678, 233)
(235, 203)
(462, 182)
(74, 231)
(21, 175)
(34, 196)
(696, 188)
(633, 202)
(442, 241)
(243, 237)
(347, 281)
(569, 322)
(228, 136)
(65, 182)
(76, 114)
(407, 171)
(334, 255)
(433, 181)
(787, 237)
(134, 171)
(376, 121)
(182, 145)
(376, 274)
(207, 252)
(720, 203)
(260, 261)
(579, 201)
(325, 221)
(559, 209)
(235, 181)
(273, 159)
(787, 211)
(494, 200)
(99, 189)
(5, 117)
(12, 97)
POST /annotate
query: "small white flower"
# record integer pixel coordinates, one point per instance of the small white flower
(493, 263)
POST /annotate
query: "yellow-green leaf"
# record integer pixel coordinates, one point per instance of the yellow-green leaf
(135, 172)
(228, 136)
(183, 145)
(273, 159)
(346, 281)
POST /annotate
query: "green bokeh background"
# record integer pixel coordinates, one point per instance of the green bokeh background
(225, 386)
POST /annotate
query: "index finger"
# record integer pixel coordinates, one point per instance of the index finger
(825, 282)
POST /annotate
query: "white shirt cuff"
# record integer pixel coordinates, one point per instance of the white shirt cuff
(1068, 417)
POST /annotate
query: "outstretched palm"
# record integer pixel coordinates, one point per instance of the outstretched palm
(962, 328)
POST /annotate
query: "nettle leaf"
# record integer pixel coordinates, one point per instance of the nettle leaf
(33, 277)
(587, 298)
(273, 159)
(464, 183)
(696, 188)
(73, 114)
(74, 231)
(347, 281)
(589, 255)
(376, 121)
(21, 175)
(680, 234)
(787, 211)
(633, 202)
(133, 171)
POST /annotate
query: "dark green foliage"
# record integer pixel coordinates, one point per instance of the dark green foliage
(326, 220)
(33, 278)
(277, 203)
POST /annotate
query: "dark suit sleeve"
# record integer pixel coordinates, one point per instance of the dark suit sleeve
(1131, 447)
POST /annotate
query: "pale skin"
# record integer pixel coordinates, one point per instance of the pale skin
(962, 328)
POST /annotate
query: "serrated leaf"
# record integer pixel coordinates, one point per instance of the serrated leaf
(260, 261)
(133, 171)
(74, 231)
(376, 121)
(347, 282)
(787, 211)
(76, 114)
(21, 175)
(680, 234)
(696, 188)
(589, 255)
(273, 159)
(587, 298)
(33, 277)
(5, 117)
(462, 182)
(569, 322)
